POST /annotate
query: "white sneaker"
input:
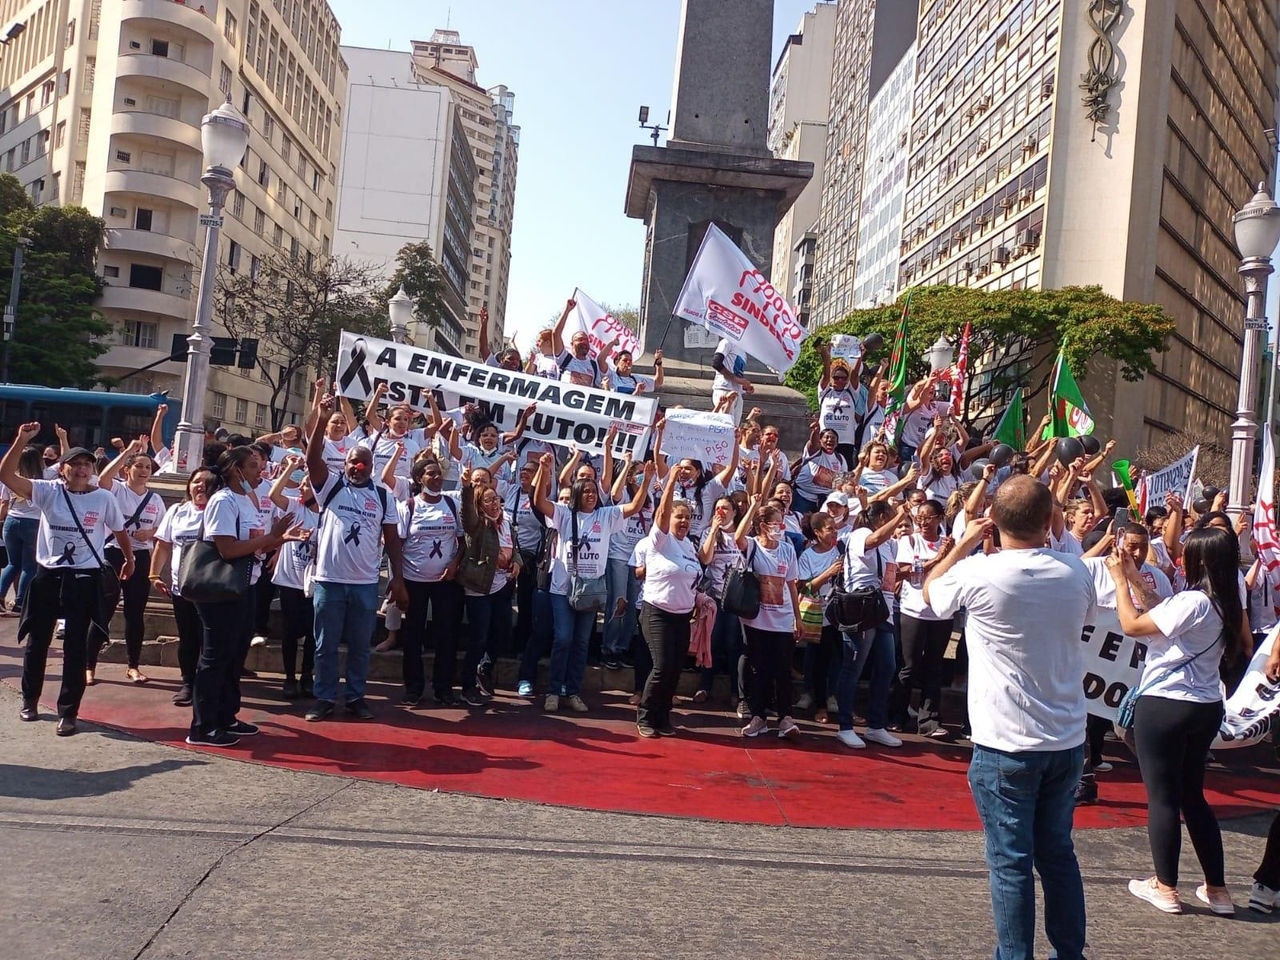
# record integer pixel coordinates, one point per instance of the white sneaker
(1219, 902)
(851, 740)
(551, 704)
(1163, 900)
(1102, 767)
(881, 736)
(1262, 898)
(756, 727)
(805, 701)
(257, 640)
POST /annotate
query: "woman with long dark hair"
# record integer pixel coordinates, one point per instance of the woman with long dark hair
(771, 633)
(718, 553)
(1179, 708)
(21, 523)
(179, 528)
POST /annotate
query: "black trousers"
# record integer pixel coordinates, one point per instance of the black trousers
(444, 601)
(190, 636)
(526, 584)
(1268, 873)
(769, 657)
(71, 595)
(1172, 738)
(224, 644)
(923, 644)
(299, 621)
(135, 591)
(667, 636)
(489, 619)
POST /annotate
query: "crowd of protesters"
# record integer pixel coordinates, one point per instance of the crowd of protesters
(967, 562)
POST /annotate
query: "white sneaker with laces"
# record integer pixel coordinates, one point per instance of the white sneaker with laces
(1262, 898)
(881, 736)
(756, 727)
(850, 739)
(1219, 901)
(1163, 900)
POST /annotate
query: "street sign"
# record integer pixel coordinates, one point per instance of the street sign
(1255, 323)
(209, 220)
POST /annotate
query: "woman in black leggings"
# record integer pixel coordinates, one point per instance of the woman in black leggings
(1179, 709)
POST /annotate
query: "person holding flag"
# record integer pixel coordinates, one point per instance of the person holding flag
(1068, 415)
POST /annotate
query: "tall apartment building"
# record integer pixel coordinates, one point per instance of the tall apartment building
(870, 38)
(487, 119)
(799, 98)
(101, 107)
(407, 174)
(1015, 182)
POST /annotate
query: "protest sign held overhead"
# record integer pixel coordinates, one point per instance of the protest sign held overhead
(1175, 478)
(600, 326)
(725, 293)
(706, 437)
(566, 414)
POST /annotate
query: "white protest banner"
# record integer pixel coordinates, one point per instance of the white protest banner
(1253, 708)
(1113, 663)
(566, 414)
(706, 437)
(601, 326)
(1265, 545)
(847, 346)
(1175, 478)
(725, 293)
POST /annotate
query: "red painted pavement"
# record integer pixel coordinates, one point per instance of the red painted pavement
(510, 749)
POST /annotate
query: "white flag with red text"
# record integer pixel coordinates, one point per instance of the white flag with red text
(1265, 545)
(962, 373)
(729, 296)
(600, 326)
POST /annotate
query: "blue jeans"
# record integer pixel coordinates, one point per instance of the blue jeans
(876, 645)
(1026, 803)
(20, 545)
(345, 612)
(572, 633)
(620, 581)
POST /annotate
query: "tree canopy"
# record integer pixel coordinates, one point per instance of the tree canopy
(58, 333)
(1014, 339)
(418, 271)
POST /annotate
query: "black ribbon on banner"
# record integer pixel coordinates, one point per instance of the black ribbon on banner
(353, 534)
(355, 368)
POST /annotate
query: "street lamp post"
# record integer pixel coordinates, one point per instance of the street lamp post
(11, 308)
(940, 355)
(1257, 228)
(400, 310)
(224, 136)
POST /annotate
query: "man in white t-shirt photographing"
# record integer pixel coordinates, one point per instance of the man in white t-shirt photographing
(1027, 607)
(357, 519)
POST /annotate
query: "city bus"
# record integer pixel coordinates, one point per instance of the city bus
(91, 417)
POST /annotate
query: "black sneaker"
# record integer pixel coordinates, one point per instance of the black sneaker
(359, 709)
(471, 698)
(239, 728)
(666, 730)
(613, 663)
(445, 699)
(290, 690)
(216, 738)
(321, 710)
(410, 700)
(183, 697)
(1086, 791)
(484, 677)
(305, 687)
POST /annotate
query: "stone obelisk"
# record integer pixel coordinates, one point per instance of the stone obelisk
(715, 167)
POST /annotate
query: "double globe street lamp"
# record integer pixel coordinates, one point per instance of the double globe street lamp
(224, 137)
(1257, 229)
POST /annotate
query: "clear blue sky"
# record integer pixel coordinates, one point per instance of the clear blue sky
(580, 70)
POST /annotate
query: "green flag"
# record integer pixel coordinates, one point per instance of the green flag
(898, 377)
(1068, 415)
(1012, 429)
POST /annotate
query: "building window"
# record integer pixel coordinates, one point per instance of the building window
(46, 92)
(60, 135)
(264, 174)
(233, 256)
(219, 406)
(286, 148)
(260, 415)
(259, 222)
(268, 127)
(237, 204)
(42, 143)
(159, 48)
(255, 267)
(229, 27)
(278, 236)
(89, 64)
(242, 410)
(142, 219)
(71, 33)
(109, 271)
(31, 103)
(25, 151)
(224, 79)
(139, 333)
(144, 277)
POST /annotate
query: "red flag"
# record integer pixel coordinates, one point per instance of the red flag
(962, 373)
(484, 314)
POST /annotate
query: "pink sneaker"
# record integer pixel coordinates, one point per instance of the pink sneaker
(1219, 900)
(1163, 900)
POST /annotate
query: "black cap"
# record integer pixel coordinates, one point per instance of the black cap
(77, 452)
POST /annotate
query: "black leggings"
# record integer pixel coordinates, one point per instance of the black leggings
(299, 621)
(1268, 873)
(190, 636)
(667, 636)
(769, 657)
(1172, 739)
(923, 644)
(135, 591)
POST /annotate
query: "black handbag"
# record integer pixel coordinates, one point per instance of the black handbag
(856, 611)
(205, 577)
(742, 590)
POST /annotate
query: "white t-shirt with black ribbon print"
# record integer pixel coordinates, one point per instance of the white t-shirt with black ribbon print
(430, 532)
(231, 514)
(350, 531)
(59, 543)
(148, 518)
(295, 555)
(594, 531)
(179, 527)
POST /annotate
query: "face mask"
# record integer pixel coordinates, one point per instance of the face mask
(298, 474)
(244, 485)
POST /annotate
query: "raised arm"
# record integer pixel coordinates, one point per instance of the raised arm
(371, 414)
(725, 476)
(522, 421)
(107, 478)
(276, 493)
(557, 332)
(973, 535)
(908, 482)
(744, 525)
(9, 475)
(642, 491)
(541, 481)
(389, 471)
(973, 505)
(485, 348)
(157, 428)
(317, 469)
(570, 465)
(824, 351)
(657, 370)
(606, 472)
(884, 532)
(662, 515)
(619, 486)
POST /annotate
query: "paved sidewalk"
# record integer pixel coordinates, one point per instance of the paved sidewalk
(120, 848)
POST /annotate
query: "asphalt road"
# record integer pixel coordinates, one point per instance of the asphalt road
(118, 848)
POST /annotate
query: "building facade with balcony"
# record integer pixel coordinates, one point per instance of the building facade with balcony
(799, 99)
(487, 116)
(407, 174)
(115, 92)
